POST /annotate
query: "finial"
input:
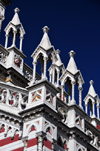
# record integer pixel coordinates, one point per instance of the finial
(16, 10)
(45, 29)
(91, 82)
(71, 53)
(58, 51)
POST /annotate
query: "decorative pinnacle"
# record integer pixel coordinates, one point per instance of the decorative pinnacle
(71, 53)
(45, 29)
(16, 10)
(58, 51)
(91, 82)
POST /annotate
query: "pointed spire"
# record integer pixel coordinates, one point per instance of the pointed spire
(91, 89)
(58, 62)
(16, 26)
(71, 67)
(45, 42)
(16, 20)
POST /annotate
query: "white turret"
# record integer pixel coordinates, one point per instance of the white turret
(56, 69)
(72, 76)
(92, 99)
(15, 28)
(44, 52)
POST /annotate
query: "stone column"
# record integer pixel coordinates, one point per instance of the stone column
(80, 96)
(34, 71)
(53, 76)
(93, 109)
(53, 144)
(14, 38)
(25, 140)
(50, 76)
(8, 96)
(45, 64)
(40, 138)
(6, 43)
(42, 73)
(86, 108)
(21, 40)
(98, 111)
(40, 143)
(73, 85)
(90, 113)
(58, 78)
(62, 92)
(69, 98)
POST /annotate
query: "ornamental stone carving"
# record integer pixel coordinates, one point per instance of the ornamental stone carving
(2, 57)
(17, 60)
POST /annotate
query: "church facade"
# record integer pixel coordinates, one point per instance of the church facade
(39, 112)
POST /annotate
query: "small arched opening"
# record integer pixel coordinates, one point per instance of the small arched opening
(10, 38)
(40, 65)
(18, 38)
(90, 107)
(49, 62)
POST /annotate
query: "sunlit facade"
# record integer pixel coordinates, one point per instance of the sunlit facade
(40, 112)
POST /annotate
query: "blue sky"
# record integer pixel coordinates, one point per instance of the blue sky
(74, 25)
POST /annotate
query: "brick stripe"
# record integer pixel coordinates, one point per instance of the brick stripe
(18, 149)
(8, 140)
(48, 144)
(32, 142)
(2, 130)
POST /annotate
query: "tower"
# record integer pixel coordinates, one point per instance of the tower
(44, 52)
(16, 56)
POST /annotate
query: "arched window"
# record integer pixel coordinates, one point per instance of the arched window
(80, 149)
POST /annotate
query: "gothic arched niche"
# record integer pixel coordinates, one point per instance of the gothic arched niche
(10, 39)
(80, 149)
(40, 65)
(49, 130)
(32, 128)
(18, 38)
(49, 62)
(90, 106)
(55, 80)
(69, 86)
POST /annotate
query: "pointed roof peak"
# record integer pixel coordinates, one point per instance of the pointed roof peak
(58, 62)
(45, 42)
(16, 20)
(72, 53)
(91, 89)
(45, 29)
(71, 67)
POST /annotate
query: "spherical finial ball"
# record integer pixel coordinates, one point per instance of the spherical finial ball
(91, 82)
(71, 53)
(16, 10)
(45, 29)
(58, 51)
